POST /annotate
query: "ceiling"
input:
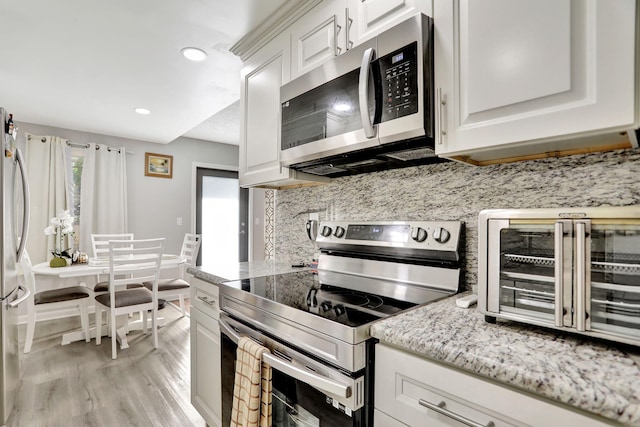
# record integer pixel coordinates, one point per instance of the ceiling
(87, 64)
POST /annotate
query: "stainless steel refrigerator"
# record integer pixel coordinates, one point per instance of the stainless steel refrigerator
(14, 202)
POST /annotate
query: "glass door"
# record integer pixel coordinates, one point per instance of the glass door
(221, 217)
(614, 276)
(529, 264)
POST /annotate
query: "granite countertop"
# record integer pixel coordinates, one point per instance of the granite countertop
(592, 375)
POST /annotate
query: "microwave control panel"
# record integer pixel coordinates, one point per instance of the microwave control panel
(399, 73)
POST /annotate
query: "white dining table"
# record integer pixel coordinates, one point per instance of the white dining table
(95, 267)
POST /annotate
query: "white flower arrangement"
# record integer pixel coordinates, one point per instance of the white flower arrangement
(59, 227)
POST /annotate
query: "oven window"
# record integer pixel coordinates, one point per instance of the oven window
(527, 274)
(615, 278)
(294, 403)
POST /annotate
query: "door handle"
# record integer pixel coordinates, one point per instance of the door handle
(27, 294)
(442, 106)
(559, 274)
(315, 380)
(27, 205)
(440, 408)
(581, 252)
(363, 93)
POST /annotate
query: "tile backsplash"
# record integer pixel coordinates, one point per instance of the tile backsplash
(456, 191)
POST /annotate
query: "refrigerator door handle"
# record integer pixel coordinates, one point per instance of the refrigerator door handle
(27, 294)
(27, 205)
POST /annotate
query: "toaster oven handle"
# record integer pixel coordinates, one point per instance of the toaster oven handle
(559, 274)
(581, 252)
(363, 93)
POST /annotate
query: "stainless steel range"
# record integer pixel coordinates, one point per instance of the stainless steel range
(316, 322)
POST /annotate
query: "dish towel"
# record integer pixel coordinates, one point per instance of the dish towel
(252, 386)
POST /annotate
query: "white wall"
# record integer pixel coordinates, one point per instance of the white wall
(154, 203)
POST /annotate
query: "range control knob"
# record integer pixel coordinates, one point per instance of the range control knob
(339, 232)
(326, 231)
(441, 235)
(419, 234)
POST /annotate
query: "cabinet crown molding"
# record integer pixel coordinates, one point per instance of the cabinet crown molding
(290, 12)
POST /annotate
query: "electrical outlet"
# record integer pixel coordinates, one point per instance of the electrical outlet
(179, 221)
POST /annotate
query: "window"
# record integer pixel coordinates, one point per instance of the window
(77, 160)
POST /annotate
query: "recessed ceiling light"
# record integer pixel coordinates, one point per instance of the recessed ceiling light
(143, 111)
(194, 54)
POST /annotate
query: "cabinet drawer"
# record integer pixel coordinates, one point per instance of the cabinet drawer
(204, 297)
(416, 391)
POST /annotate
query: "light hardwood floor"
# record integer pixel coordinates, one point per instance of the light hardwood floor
(79, 385)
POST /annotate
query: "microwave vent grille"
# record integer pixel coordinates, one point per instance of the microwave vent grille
(420, 153)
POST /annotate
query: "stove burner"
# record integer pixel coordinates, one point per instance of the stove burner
(356, 298)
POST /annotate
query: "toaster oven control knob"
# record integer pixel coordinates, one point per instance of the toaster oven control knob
(441, 235)
(339, 232)
(326, 231)
(419, 234)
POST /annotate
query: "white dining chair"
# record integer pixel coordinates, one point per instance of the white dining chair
(130, 262)
(59, 298)
(100, 248)
(178, 287)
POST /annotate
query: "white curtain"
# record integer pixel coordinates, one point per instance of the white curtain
(103, 196)
(48, 159)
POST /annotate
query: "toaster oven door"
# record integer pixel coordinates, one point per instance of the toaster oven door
(530, 271)
(612, 260)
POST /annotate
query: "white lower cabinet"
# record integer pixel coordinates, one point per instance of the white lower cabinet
(413, 391)
(206, 388)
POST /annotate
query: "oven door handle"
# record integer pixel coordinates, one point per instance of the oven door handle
(315, 380)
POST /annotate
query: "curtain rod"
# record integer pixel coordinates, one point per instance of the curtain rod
(78, 145)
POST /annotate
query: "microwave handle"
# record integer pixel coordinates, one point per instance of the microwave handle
(363, 93)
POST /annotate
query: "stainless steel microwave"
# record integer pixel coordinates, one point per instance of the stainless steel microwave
(575, 270)
(368, 109)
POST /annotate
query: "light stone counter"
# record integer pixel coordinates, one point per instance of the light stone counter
(588, 374)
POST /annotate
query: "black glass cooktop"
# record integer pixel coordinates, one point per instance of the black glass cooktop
(304, 291)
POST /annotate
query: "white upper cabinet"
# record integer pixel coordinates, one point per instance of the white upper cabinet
(262, 76)
(371, 17)
(333, 27)
(317, 37)
(519, 74)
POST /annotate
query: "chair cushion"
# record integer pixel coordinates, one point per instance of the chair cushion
(63, 294)
(168, 284)
(126, 298)
(104, 286)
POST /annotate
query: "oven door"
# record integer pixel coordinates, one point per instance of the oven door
(610, 250)
(530, 270)
(306, 392)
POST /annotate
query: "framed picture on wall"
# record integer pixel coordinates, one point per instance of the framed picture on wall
(158, 165)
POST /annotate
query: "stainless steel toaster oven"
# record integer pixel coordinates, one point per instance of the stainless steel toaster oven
(575, 269)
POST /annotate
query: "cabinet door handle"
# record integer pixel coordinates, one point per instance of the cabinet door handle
(348, 44)
(442, 103)
(440, 408)
(337, 29)
(207, 301)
